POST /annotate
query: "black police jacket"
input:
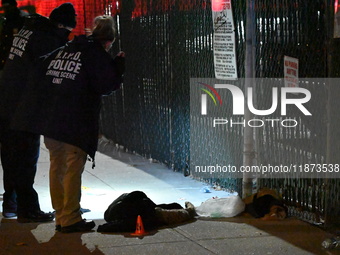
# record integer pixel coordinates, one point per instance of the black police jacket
(63, 101)
(37, 37)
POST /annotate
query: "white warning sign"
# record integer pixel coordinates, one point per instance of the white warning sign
(224, 40)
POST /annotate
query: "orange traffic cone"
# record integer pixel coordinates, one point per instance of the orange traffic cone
(139, 227)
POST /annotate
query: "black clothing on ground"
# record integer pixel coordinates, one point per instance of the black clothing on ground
(121, 215)
(261, 206)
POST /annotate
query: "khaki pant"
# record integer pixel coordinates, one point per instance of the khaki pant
(67, 164)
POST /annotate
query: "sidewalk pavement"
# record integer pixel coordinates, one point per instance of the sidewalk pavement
(117, 172)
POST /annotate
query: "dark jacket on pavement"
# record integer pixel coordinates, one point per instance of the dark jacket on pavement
(64, 99)
(122, 213)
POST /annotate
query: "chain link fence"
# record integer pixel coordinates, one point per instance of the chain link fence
(282, 29)
(169, 42)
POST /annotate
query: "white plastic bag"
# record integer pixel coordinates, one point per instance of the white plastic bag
(221, 207)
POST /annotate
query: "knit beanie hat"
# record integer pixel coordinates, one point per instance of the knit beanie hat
(64, 14)
(9, 2)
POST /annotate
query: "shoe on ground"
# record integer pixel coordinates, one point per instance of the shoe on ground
(9, 214)
(81, 226)
(38, 216)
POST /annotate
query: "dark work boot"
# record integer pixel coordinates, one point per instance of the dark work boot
(81, 226)
(38, 216)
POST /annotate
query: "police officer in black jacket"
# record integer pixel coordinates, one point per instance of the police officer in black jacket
(64, 105)
(11, 23)
(20, 150)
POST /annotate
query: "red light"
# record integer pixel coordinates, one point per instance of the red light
(219, 5)
(336, 6)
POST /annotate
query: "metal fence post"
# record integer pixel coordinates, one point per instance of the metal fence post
(333, 133)
(248, 142)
